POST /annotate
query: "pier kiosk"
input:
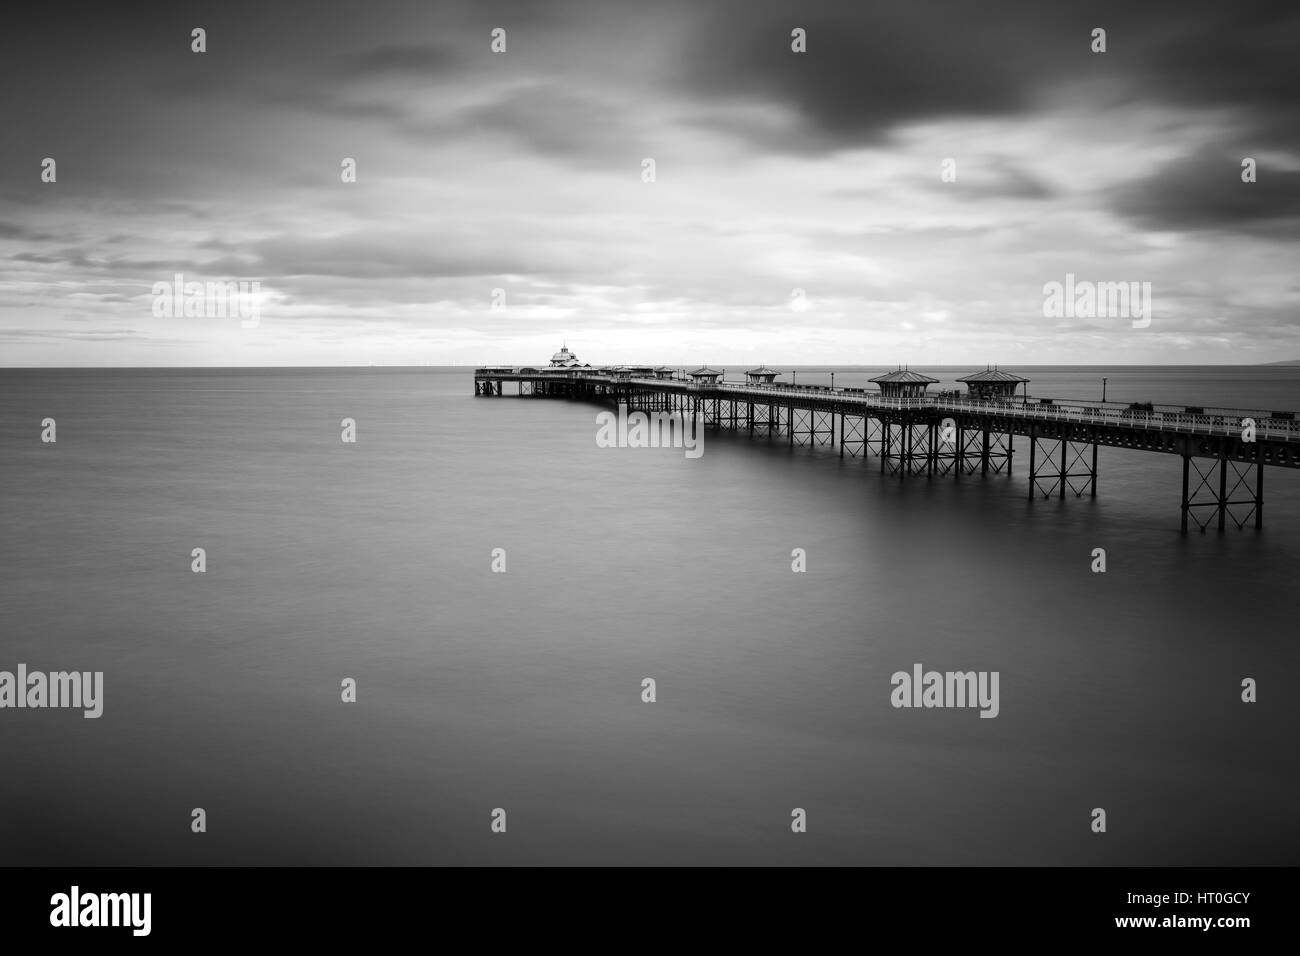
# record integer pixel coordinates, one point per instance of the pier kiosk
(993, 385)
(705, 375)
(909, 432)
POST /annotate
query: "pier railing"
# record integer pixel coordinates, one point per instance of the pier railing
(1280, 426)
(1207, 421)
(1210, 421)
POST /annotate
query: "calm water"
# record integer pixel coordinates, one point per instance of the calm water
(522, 690)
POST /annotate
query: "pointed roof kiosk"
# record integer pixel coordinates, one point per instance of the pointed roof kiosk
(761, 375)
(705, 375)
(903, 384)
(992, 384)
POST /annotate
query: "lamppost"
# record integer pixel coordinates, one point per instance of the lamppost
(1103, 389)
(832, 381)
(794, 377)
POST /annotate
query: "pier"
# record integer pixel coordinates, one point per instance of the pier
(914, 433)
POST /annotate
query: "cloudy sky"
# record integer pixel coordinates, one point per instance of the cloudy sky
(774, 171)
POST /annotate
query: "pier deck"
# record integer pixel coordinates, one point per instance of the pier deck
(1224, 449)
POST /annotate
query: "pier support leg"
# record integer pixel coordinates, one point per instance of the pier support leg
(1033, 449)
(1065, 445)
(1094, 464)
(1259, 491)
(1187, 462)
(1223, 491)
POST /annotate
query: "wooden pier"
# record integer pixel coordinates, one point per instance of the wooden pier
(1224, 451)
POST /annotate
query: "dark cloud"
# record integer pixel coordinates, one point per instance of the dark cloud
(409, 59)
(15, 230)
(1222, 54)
(976, 182)
(552, 120)
(1002, 180)
(102, 335)
(361, 256)
(375, 255)
(1206, 192)
(86, 263)
(873, 67)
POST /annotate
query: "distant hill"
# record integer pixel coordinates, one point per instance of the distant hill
(1290, 362)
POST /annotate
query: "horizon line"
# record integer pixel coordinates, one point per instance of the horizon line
(1293, 363)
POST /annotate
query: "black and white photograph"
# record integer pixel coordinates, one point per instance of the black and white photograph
(767, 436)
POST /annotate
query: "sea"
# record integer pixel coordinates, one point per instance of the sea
(500, 717)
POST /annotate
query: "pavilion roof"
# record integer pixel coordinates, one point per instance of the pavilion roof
(904, 376)
(992, 375)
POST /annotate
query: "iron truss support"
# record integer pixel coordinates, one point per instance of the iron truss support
(984, 450)
(907, 447)
(713, 413)
(732, 414)
(855, 433)
(1064, 464)
(764, 418)
(810, 426)
(1223, 490)
(945, 451)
